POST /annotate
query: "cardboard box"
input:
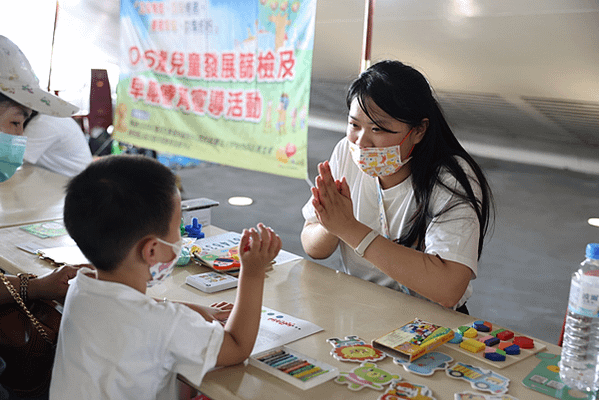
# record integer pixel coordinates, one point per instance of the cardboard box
(413, 340)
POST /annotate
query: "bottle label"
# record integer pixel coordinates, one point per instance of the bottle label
(584, 297)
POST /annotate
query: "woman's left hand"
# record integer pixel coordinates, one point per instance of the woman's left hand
(53, 285)
(332, 201)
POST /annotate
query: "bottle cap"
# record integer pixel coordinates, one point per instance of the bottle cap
(593, 251)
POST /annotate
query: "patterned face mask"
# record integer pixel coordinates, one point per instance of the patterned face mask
(379, 161)
(12, 149)
(161, 271)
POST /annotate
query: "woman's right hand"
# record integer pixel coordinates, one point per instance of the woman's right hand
(332, 202)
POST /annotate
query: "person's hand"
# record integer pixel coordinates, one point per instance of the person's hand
(332, 201)
(222, 311)
(216, 312)
(54, 284)
(258, 248)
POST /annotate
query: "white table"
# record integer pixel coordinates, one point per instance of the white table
(341, 304)
(31, 195)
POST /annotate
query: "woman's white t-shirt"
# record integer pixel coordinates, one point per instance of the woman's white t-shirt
(453, 236)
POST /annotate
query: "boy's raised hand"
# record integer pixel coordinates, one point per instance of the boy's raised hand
(258, 248)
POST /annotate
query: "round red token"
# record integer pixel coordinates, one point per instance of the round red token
(226, 264)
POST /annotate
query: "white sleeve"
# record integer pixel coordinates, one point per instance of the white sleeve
(194, 344)
(454, 235)
(40, 136)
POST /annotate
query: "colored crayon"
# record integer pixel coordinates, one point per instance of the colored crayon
(284, 360)
(290, 365)
(307, 372)
(291, 369)
(276, 358)
(308, 377)
(269, 355)
(299, 371)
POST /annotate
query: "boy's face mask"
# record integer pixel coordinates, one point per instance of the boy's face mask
(161, 271)
(12, 149)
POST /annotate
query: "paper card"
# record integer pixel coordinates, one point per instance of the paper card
(544, 378)
(67, 255)
(46, 229)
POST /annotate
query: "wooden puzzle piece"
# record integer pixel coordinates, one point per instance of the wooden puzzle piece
(354, 349)
(367, 375)
(427, 364)
(407, 390)
(479, 378)
(472, 345)
(479, 396)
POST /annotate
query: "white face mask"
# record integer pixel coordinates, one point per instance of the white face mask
(378, 161)
(161, 271)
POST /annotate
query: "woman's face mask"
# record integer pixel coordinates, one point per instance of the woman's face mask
(161, 271)
(12, 149)
(379, 161)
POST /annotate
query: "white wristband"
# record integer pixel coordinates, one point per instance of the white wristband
(365, 243)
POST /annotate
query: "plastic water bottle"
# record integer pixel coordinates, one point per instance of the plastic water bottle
(579, 366)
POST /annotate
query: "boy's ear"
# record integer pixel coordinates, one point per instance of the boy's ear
(148, 250)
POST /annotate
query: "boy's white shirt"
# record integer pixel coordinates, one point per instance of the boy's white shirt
(118, 343)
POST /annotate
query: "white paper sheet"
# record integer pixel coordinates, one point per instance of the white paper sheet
(277, 329)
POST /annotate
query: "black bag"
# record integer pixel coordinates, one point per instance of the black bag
(28, 337)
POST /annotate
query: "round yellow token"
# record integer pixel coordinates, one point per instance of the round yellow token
(553, 368)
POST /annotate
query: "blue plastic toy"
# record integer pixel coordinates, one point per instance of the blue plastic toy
(194, 230)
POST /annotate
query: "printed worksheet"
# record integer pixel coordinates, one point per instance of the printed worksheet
(277, 329)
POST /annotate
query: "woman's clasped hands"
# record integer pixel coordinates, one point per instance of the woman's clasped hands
(332, 202)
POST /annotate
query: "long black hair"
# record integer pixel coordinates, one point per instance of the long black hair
(405, 94)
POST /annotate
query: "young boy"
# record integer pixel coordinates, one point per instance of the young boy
(124, 213)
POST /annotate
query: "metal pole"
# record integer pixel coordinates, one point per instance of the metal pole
(367, 39)
(52, 49)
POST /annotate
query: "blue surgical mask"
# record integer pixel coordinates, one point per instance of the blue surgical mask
(12, 149)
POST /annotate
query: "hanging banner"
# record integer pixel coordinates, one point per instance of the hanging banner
(225, 81)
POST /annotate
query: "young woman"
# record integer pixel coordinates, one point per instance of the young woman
(407, 205)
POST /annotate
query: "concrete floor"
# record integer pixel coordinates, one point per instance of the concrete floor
(539, 238)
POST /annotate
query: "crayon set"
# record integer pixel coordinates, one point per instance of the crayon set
(293, 367)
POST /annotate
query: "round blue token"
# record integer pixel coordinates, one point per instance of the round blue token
(480, 326)
(457, 338)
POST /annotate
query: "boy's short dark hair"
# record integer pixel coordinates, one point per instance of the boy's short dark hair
(115, 202)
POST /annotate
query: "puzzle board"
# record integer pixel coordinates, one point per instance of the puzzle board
(509, 359)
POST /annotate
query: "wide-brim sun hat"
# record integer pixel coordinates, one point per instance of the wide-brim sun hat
(19, 83)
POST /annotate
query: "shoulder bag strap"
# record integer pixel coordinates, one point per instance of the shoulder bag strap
(20, 302)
